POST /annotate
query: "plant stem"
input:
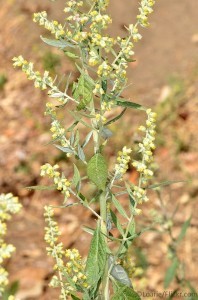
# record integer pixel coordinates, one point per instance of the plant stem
(103, 214)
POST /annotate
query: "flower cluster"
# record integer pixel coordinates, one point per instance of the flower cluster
(146, 147)
(104, 69)
(74, 268)
(27, 67)
(99, 21)
(145, 9)
(54, 27)
(122, 162)
(140, 194)
(41, 81)
(73, 6)
(58, 131)
(8, 205)
(133, 29)
(55, 249)
(61, 183)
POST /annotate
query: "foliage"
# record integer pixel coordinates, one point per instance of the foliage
(102, 62)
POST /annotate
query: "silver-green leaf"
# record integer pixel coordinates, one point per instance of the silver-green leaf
(57, 43)
(119, 273)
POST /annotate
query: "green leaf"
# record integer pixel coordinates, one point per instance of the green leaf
(76, 178)
(183, 230)
(83, 91)
(116, 222)
(119, 273)
(41, 187)
(71, 54)
(164, 183)
(57, 43)
(121, 102)
(171, 272)
(74, 297)
(116, 118)
(125, 293)
(97, 171)
(10, 290)
(96, 260)
(119, 207)
(78, 118)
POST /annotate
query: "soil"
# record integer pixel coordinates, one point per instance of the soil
(165, 71)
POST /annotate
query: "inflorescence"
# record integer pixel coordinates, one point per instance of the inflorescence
(9, 205)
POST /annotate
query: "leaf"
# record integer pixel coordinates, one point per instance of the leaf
(183, 230)
(132, 228)
(10, 290)
(71, 54)
(116, 118)
(74, 297)
(96, 260)
(64, 149)
(125, 293)
(121, 102)
(116, 222)
(119, 207)
(88, 229)
(72, 126)
(87, 139)
(78, 118)
(97, 171)
(76, 178)
(57, 43)
(106, 133)
(171, 272)
(81, 153)
(118, 272)
(41, 187)
(164, 183)
(83, 91)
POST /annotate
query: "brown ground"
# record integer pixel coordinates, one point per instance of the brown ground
(169, 46)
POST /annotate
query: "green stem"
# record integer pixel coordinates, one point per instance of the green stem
(103, 213)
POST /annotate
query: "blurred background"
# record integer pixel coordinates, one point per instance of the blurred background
(164, 77)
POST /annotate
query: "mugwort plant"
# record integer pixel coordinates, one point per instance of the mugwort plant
(102, 62)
